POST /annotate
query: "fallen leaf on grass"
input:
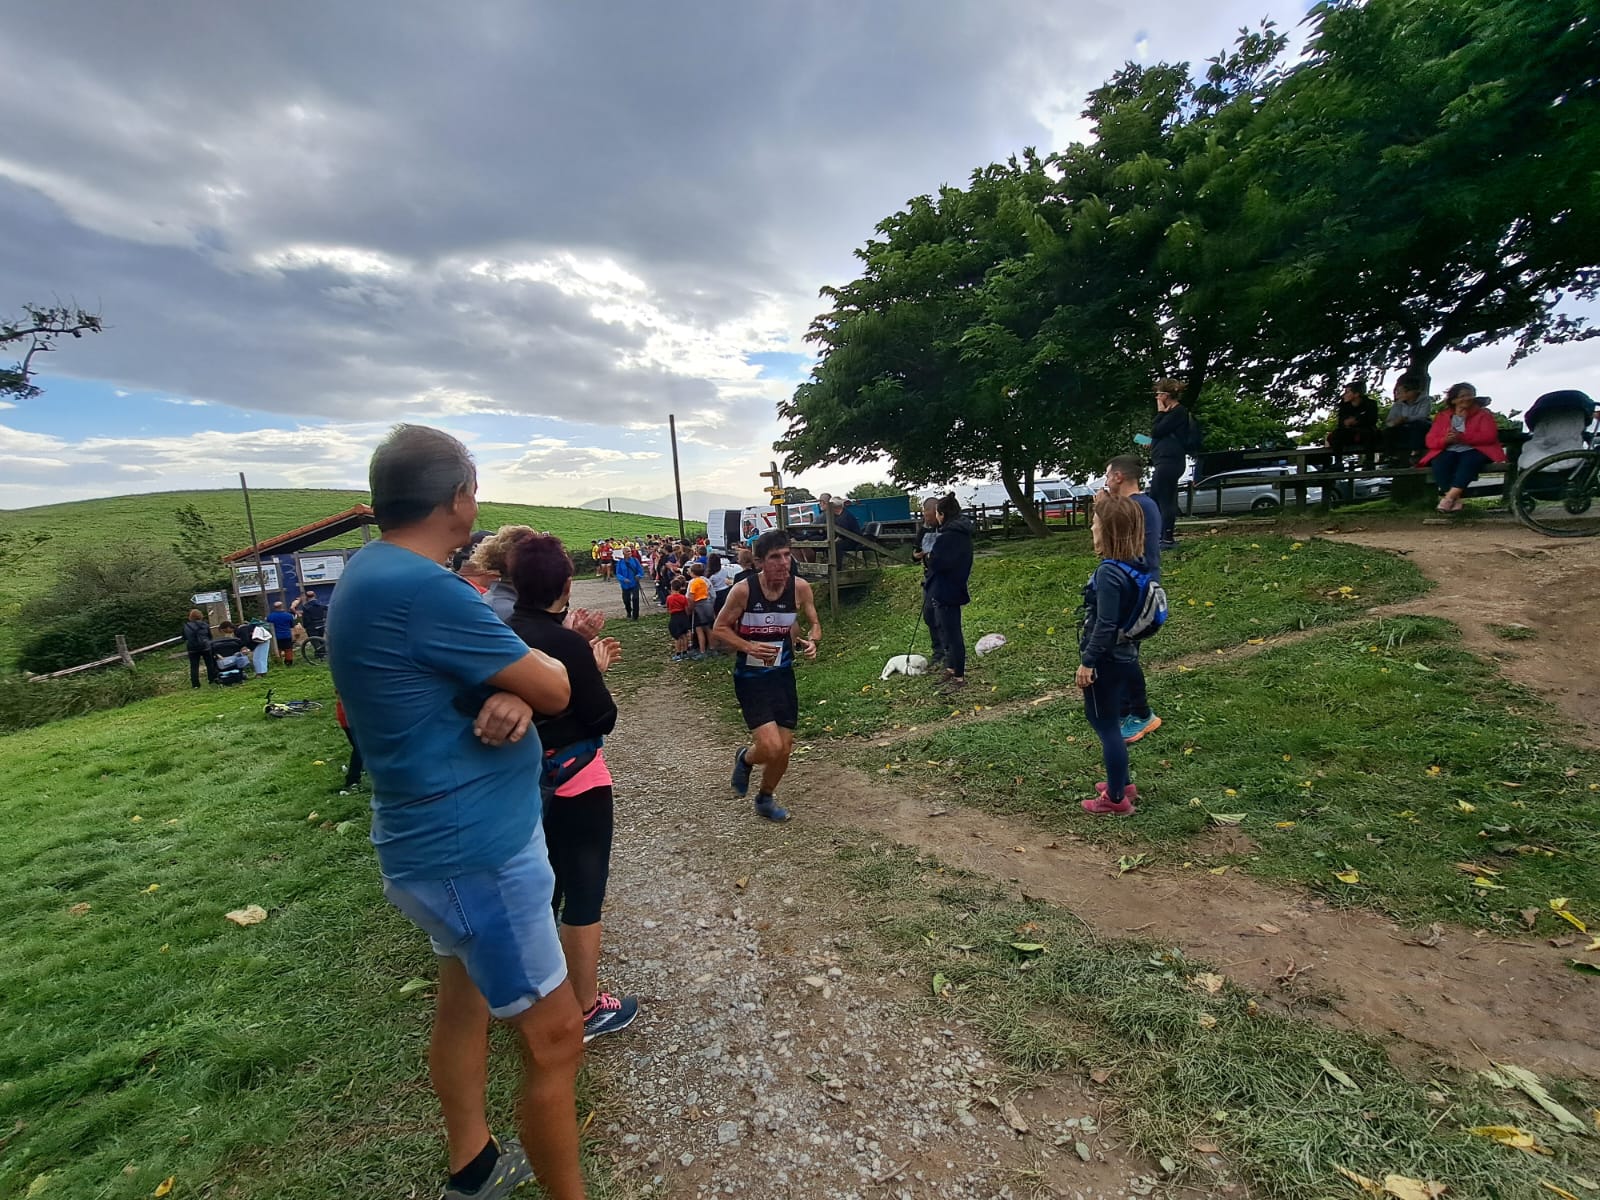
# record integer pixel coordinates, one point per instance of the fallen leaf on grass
(1337, 1075)
(1204, 1147)
(941, 984)
(1403, 1187)
(1268, 927)
(1028, 947)
(1209, 983)
(1013, 1117)
(1130, 862)
(1584, 968)
(1206, 1021)
(1572, 920)
(165, 1186)
(1530, 917)
(1348, 875)
(1485, 884)
(1465, 807)
(1254, 641)
(317, 762)
(39, 1183)
(1510, 1135)
(1506, 1075)
(1470, 868)
(411, 986)
(250, 914)
(1560, 1191)
(154, 887)
(1592, 946)
(1083, 1150)
(1284, 825)
(78, 909)
(1218, 870)
(135, 819)
(1226, 818)
(1435, 936)
(1370, 1186)
(344, 827)
(1101, 1074)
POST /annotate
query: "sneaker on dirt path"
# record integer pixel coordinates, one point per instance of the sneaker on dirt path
(767, 806)
(1101, 804)
(1134, 728)
(741, 774)
(610, 1015)
(953, 683)
(511, 1171)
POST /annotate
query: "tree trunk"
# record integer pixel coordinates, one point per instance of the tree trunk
(1023, 498)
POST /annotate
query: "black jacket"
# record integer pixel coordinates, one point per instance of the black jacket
(1115, 596)
(1169, 435)
(196, 636)
(591, 713)
(949, 563)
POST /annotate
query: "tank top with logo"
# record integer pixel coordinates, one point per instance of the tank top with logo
(767, 620)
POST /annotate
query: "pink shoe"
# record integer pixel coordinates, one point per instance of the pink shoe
(1101, 805)
(1103, 788)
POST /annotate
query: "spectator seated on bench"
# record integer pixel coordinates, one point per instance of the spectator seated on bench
(1355, 421)
(1405, 432)
(1463, 439)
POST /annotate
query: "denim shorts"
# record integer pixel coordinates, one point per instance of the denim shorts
(499, 923)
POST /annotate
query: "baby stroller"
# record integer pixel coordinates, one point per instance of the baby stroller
(1558, 481)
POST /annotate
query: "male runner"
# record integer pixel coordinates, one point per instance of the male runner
(1122, 479)
(757, 622)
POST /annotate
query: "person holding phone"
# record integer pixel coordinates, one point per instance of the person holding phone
(1171, 438)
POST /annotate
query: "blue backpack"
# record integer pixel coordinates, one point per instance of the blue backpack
(1149, 613)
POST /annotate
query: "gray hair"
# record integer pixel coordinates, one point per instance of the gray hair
(414, 471)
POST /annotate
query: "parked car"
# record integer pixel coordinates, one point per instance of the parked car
(1062, 499)
(1263, 497)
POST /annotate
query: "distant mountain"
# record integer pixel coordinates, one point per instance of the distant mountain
(695, 504)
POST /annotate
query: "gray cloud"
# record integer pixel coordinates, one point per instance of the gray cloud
(362, 211)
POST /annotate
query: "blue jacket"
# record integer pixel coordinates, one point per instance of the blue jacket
(949, 563)
(630, 572)
(1116, 596)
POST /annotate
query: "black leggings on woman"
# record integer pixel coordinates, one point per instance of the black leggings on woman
(1164, 476)
(951, 638)
(577, 830)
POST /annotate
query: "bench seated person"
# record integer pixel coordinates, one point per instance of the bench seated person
(1463, 439)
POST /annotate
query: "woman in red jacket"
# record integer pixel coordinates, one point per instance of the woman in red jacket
(1463, 438)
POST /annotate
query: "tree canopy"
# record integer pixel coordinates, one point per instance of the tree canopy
(36, 332)
(1421, 180)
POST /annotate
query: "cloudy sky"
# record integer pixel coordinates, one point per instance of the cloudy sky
(544, 226)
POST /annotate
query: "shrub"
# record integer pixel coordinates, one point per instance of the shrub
(24, 705)
(91, 632)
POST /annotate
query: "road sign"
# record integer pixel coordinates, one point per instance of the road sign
(209, 597)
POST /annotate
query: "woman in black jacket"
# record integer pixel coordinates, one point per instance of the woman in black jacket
(949, 567)
(577, 784)
(197, 641)
(1108, 666)
(1170, 439)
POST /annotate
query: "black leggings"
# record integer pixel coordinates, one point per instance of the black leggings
(195, 657)
(577, 830)
(951, 638)
(630, 603)
(1164, 476)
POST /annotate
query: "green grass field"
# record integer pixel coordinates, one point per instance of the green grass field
(148, 520)
(144, 1035)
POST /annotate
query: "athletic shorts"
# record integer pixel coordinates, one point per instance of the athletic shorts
(499, 923)
(678, 624)
(286, 643)
(768, 698)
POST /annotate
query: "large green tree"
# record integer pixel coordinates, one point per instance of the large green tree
(1427, 179)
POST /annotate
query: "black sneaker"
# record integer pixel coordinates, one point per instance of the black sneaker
(767, 806)
(511, 1171)
(610, 1014)
(741, 774)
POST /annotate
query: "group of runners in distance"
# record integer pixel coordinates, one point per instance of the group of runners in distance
(476, 697)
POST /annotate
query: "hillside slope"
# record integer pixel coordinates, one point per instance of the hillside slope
(148, 520)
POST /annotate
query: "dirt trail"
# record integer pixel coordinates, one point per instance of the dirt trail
(776, 1056)
(1504, 575)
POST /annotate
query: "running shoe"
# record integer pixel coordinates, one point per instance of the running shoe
(511, 1171)
(767, 806)
(741, 774)
(610, 1014)
(1101, 804)
(1134, 728)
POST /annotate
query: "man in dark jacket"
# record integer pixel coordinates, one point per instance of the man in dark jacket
(197, 641)
(930, 618)
(949, 565)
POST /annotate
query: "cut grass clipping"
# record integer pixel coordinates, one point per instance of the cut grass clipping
(1191, 1059)
(1381, 749)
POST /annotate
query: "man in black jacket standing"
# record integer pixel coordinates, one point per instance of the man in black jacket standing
(1171, 437)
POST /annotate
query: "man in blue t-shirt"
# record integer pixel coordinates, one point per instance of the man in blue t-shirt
(456, 807)
(282, 622)
(1122, 479)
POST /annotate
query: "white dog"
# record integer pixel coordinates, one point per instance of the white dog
(905, 664)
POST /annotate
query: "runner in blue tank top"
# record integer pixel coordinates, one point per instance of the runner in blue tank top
(758, 624)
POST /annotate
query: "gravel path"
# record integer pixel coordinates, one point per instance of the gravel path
(776, 1054)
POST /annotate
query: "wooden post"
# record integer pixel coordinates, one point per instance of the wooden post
(832, 556)
(122, 651)
(677, 484)
(255, 546)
